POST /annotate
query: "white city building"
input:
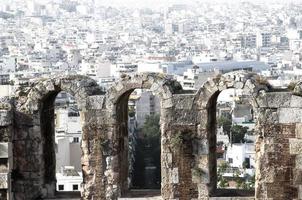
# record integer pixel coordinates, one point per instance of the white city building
(68, 179)
(68, 149)
(241, 154)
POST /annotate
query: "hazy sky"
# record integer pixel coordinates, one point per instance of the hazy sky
(140, 3)
(159, 3)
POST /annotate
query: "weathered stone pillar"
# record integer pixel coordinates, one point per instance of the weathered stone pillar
(205, 158)
(279, 113)
(116, 147)
(169, 171)
(178, 143)
(34, 169)
(94, 148)
(27, 177)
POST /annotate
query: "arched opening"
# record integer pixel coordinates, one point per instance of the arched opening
(231, 136)
(138, 116)
(61, 137)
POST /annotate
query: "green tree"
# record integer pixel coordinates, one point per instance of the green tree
(221, 169)
(225, 123)
(152, 143)
(238, 132)
(239, 181)
(151, 128)
(246, 183)
(251, 181)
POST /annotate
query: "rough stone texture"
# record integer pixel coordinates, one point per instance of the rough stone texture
(33, 175)
(188, 136)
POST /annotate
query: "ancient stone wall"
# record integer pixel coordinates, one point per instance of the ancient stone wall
(205, 104)
(116, 106)
(188, 137)
(278, 147)
(33, 136)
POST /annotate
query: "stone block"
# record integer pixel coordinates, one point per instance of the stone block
(295, 146)
(262, 101)
(184, 117)
(299, 130)
(290, 115)
(5, 118)
(269, 176)
(96, 102)
(203, 191)
(200, 175)
(296, 101)
(155, 87)
(300, 192)
(268, 116)
(297, 176)
(278, 99)
(183, 101)
(174, 175)
(249, 83)
(298, 161)
(166, 103)
(203, 161)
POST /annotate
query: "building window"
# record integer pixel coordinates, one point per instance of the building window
(75, 140)
(247, 163)
(75, 187)
(165, 70)
(61, 187)
(230, 160)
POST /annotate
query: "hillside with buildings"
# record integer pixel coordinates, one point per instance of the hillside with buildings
(185, 45)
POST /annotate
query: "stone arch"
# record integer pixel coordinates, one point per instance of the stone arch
(30, 98)
(117, 102)
(250, 82)
(34, 170)
(185, 120)
(205, 103)
(159, 84)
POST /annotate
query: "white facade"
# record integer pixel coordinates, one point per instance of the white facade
(264, 39)
(88, 68)
(104, 70)
(63, 153)
(188, 79)
(237, 154)
(221, 137)
(118, 69)
(5, 90)
(68, 139)
(66, 125)
(149, 66)
(69, 181)
(8, 64)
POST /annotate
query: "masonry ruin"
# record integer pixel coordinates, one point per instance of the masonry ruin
(188, 165)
